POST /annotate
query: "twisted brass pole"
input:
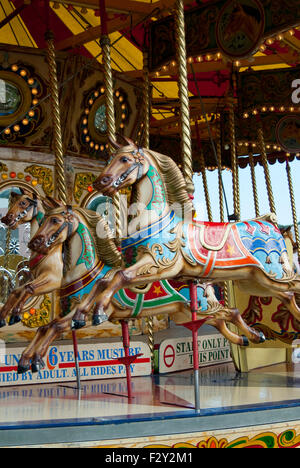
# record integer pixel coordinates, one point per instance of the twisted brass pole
(186, 140)
(6, 264)
(293, 206)
(110, 116)
(205, 185)
(234, 165)
(61, 190)
(219, 156)
(146, 142)
(146, 101)
(254, 185)
(264, 160)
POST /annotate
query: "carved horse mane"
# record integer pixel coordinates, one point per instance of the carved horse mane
(106, 247)
(171, 174)
(174, 181)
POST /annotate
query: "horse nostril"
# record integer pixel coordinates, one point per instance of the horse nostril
(7, 219)
(36, 243)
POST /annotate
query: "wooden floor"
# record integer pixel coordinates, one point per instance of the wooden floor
(59, 414)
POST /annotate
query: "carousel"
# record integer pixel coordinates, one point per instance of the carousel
(149, 235)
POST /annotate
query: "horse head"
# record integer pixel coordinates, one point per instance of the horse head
(59, 224)
(126, 166)
(24, 207)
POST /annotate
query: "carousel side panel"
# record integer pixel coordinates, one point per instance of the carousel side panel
(271, 317)
(27, 163)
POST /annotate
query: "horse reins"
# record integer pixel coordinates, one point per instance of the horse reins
(67, 224)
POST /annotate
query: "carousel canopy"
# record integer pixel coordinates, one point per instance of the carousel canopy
(235, 39)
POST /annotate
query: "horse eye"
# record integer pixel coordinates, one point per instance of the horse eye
(124, 159)
(23, 203)
(55, 221)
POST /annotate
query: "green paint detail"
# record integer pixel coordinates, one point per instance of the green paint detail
(88, 253)
(40, 218)
(158, 200)
(139, 303)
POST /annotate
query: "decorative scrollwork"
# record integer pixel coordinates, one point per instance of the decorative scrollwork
(37, 318)
(83, 181)
(44, 177)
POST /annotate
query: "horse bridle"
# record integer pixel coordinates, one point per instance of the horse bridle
(137, 164)
(67, 224)
(33, 203)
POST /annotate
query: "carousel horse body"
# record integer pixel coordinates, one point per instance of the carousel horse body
(170, 244)
(46, 273)
(93, 261)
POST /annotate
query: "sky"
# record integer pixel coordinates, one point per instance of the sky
(279, 186)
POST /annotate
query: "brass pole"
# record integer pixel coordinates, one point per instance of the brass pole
(219, 156)
(203, 172)
(146, 101)
(61, 190)
(234, 164)
(254, 185)
(109, 102)
(293, 206)
(264, 160)
(186, 140)
(146, 143)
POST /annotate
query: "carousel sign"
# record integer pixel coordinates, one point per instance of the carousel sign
(96, 361)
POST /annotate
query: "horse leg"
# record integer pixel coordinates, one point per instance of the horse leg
(28, 353)
(233, 316)
(232, 337)
(54, 331)
(85, 306)
(182, 314)
(132, 276)
(13, 299)
(43, 284)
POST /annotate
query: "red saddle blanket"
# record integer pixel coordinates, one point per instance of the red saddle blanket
(213, 235)
(218, 245)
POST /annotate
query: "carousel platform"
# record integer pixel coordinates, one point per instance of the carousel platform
(257, 409)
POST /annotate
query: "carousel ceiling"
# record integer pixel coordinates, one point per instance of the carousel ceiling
(219, 58)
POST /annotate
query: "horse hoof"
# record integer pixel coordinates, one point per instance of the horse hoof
(77, 324)
(36, 366)
(2, 323)
(14, 319)
(22, 369)
(245, 341)
(98, 319)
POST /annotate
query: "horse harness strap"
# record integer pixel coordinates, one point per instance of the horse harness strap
(67, 224)
(137, 164)
(32, 203)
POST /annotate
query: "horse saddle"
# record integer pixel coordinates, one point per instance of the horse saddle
(213, 236)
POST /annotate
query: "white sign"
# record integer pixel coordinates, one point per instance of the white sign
(177, 353)
(96, 361)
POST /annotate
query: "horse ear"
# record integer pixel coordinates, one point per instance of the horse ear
(25, 191)
(50, 203)
(114, 143)
(14, 195)
(129, 141)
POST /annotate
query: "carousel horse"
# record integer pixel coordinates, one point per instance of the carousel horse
(94, 260)
(27, 207)
(170, 244)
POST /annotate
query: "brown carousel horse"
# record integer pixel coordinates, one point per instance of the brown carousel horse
(170, 244)
(46, 272)
(93, 260)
